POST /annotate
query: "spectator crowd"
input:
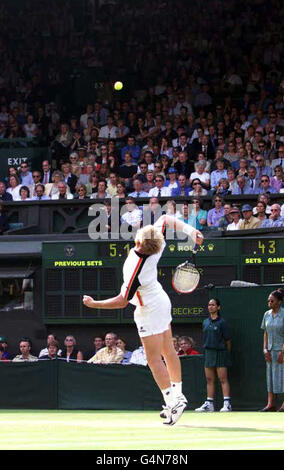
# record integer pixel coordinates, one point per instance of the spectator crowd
(200, 115)
(110, 349)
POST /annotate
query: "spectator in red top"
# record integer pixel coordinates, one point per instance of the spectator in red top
(186, 345)
(2, 358)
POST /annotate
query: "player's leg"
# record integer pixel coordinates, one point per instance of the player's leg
(153, 350)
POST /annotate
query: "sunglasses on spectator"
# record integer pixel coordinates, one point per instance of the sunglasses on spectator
(259, 160)
(265, 181)
(36, 176)
(195, 184)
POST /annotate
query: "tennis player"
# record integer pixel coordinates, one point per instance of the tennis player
(153, 309)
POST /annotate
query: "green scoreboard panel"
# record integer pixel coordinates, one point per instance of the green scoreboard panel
(71, 270)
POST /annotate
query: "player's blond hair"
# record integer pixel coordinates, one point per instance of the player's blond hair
(150, 239)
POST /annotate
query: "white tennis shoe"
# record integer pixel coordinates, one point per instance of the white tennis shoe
(174, 413)
(227, 407)
(207, 407)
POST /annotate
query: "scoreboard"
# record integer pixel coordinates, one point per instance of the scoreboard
(72, 269)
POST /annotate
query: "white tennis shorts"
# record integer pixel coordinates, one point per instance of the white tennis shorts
(155, 318)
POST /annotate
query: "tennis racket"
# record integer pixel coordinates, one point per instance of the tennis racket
(186, 276)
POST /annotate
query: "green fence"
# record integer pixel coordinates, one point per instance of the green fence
(61, 385)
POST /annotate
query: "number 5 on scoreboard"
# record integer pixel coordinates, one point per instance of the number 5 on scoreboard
(112, 250)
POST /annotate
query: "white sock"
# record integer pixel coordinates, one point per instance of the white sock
(210, 400)
(176, 389)
(227, 399)
(167, 394)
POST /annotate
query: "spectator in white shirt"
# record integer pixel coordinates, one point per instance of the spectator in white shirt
(62, 192)
(109, 131)
(138, 357)
(235, 213)
(131, 217)
(14, 187)
(160, 190)
(201, 174)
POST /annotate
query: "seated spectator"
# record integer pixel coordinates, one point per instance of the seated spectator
(142, 171)
(176, 340)
(184, 165)
(25, 346)
(138, 191)
(25, 175)
(275, 219)
(81, 192)
(30, 129)
(166, 164)
(52, 351)
(121, 344)
(201, 158)
(112, 184)
(183, 189)
(260, 212)
(62, 143)
(198, 216)
(223, 188)
(2, 358)
(62, 192)
(50, 338)
(236, 219)
(70, 351)
(149, 159)
(84, 178)
(69, 178)
(51, 189)
(186, 347)
(249, 222)
(97, 345)
(243, 168)
(138, 357)
(252, 181)
(265, 187)
(277, 181)
(201, 174)
(92, 185)
(46, 172)
(261, 168)
(197, 188)
(216, 175)
(242, 187)
(227, 217)
(215, 214)
(266, 200)
(172, 182)
(24, 194)
(128, 169)
(4, 195)
(40, 196)
(121, 190)
(132, 216)
(150, 183)
(132, 148)
(14, 187)
(109, 131)
(3, 219)
(4, 345)
(158, 169)
(110, 354)
(102, 193)
(280, 160)
(152, 211)
(160, 190)
(231, 155)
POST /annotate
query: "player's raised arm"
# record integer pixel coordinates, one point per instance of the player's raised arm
(180, 226)
(108, 304)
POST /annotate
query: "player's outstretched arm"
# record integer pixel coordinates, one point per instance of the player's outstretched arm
(180, 226)
(108, 304)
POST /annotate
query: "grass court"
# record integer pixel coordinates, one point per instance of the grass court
(139, 430)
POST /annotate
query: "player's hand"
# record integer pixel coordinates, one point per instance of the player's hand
(88, 301)
(199, 238)
(267, 356)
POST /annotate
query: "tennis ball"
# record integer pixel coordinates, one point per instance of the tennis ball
(118, 86)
